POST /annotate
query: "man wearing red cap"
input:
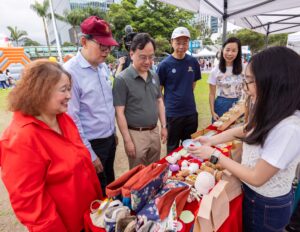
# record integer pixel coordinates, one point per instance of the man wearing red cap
(91, 106)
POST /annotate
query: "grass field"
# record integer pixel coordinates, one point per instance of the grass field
(201, 96)
(4, 115)
(3, 95)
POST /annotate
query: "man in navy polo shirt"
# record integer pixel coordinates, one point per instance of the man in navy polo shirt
(178, 74)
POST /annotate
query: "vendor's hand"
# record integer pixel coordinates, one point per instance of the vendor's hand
(122, 60)
(215, 116)
(204, 140)
(164, 135)
(204, 152)
(98, 165)
(130, 149)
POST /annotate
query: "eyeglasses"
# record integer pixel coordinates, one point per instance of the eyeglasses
(103, 48)
(145, 58)
(246, 84)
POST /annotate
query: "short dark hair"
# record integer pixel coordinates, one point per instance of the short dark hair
(276, 71)
(33, 90)
(140, 40)
(237, 63)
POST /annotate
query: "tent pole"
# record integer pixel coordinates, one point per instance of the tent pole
(225, 21)
(224, 30)
(267, 36)
(55, 33)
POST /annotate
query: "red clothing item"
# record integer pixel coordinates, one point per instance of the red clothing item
(50, 178)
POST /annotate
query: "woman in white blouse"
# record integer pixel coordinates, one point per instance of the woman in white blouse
(225, 80)
(271, 147)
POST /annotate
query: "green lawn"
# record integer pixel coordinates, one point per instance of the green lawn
(201, 96)
(4, 115)
(3, 95)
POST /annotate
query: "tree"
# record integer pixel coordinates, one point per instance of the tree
(156, 18)
(68, 44)
(42, 11)
(89, 11)
(15, 34)
(256, 41)
(110, 59)
(30, 42)
(76, 16)
(203, 32)
(162, 46)
(120, 15)
(278, 39)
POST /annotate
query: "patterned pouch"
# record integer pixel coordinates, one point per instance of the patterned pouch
(143, 186)
(173, 195)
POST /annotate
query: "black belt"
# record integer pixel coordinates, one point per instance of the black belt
(142, 128)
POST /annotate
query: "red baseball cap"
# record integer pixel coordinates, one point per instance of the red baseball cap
(99, 29)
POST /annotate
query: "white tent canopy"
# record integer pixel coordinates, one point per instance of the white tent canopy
(205, 53)
(293, 41)
(283, 21)
(245, 12)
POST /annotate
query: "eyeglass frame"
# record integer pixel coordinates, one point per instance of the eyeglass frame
(103, 48)
(245, 83)
(144, 58)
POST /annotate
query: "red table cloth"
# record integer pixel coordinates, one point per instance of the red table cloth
(232, 224)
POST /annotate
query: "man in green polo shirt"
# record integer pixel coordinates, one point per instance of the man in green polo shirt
(139, 104)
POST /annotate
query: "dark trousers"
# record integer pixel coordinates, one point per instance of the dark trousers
(4, 84)
(266, 214)
(179, 129)
(105, 149)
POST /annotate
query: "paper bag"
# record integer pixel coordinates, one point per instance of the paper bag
(204, 217)
(220, 204)
(233, 188)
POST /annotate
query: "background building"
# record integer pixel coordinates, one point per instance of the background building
(65, 31)
(213, 23)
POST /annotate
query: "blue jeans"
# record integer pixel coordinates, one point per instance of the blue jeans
(223, 104)
(266, 214)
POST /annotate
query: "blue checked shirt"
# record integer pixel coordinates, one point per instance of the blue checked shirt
(91, 104)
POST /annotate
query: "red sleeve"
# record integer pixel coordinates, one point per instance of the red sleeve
(23, 173)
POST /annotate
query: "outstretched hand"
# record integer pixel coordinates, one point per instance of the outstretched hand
(204, 152)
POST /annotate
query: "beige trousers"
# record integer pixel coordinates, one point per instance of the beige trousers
(147, 147)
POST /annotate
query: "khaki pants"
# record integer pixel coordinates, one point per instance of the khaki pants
(147, 147)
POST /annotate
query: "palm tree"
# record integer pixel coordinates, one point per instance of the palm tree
(76, 16)
(15, 34)
(42, 11)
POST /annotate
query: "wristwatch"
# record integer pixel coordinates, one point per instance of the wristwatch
(214, 157)
(163, 126)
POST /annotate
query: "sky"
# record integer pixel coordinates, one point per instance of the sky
(18, 13)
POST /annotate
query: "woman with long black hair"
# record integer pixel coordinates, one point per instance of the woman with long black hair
(225, 80)
(271, 148)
